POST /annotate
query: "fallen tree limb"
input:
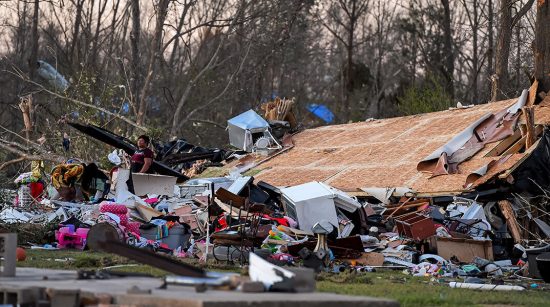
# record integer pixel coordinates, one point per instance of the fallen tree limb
(11, 162)
(23, 156)
(22, 76)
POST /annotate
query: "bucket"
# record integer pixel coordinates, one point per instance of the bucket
(532, 254)
(543, 264)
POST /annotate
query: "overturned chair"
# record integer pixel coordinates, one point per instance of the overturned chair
(240, 235)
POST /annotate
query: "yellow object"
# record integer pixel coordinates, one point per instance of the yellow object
(37, 167)
(65, 175)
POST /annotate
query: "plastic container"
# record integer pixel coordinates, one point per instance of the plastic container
(543, 265)
(177, 236)
(532, 259)
(68, 237)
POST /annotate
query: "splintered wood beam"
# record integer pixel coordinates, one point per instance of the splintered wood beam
(504, 144)
(521, 142)
(532, 94)
(526, 155)
(516, 147)
(529, 113)
(508, 212)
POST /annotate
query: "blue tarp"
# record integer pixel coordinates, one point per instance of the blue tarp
(321, 111)
(248, 120)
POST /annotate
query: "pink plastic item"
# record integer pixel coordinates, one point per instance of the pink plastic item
(123, 219)
(67, 237)
(113, 208)
(151, 201)
(134, 227)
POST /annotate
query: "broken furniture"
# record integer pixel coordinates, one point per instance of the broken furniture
(322, 229)
(415, 225)
(242, 221)
(465, 250)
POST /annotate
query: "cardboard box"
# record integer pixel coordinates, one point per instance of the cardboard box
(464, 249)
(153, 184)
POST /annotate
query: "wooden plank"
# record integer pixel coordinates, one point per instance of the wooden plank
(532, 94)
(529, 113)
(526, 155)
(504, 144)
(516, 147)
(397, 209)
(368, 259)
(508, 212)
(519, 144)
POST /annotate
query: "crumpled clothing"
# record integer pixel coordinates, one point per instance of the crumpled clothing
(141, 242)
(162, 232)
(66, 175)
(26, 178)
(113, 220)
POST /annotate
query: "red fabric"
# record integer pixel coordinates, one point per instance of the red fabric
(36, 189)
(280, 220)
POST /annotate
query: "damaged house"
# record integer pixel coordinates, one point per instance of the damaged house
(488, 164)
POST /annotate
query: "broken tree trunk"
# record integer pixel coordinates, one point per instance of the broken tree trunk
(542, 45)
(25, 105)
(530, 135)
(508, 212)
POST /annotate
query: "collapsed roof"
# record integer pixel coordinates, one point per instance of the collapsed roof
(387, 153)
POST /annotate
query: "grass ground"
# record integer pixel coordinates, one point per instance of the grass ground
(409, 291)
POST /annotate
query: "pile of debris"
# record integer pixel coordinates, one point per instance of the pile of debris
(466, 210)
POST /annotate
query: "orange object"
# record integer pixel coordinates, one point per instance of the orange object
(20, 254)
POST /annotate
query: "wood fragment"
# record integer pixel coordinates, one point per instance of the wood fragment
(529, 113)
(25, 105)
(504, 144)
(508, 212)
(532, 94)
(516, 147)
(400, 206)
(526, 155)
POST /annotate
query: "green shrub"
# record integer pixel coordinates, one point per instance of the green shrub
(427, 97)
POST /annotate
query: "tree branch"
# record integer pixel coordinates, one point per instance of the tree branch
(81, 103)
(522, 12)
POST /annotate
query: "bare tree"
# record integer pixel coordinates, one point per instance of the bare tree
(448, 48)
(154, 56)
(542, 45)
(500, 86)
(134, 43)
(33, 58)
(343, 17)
